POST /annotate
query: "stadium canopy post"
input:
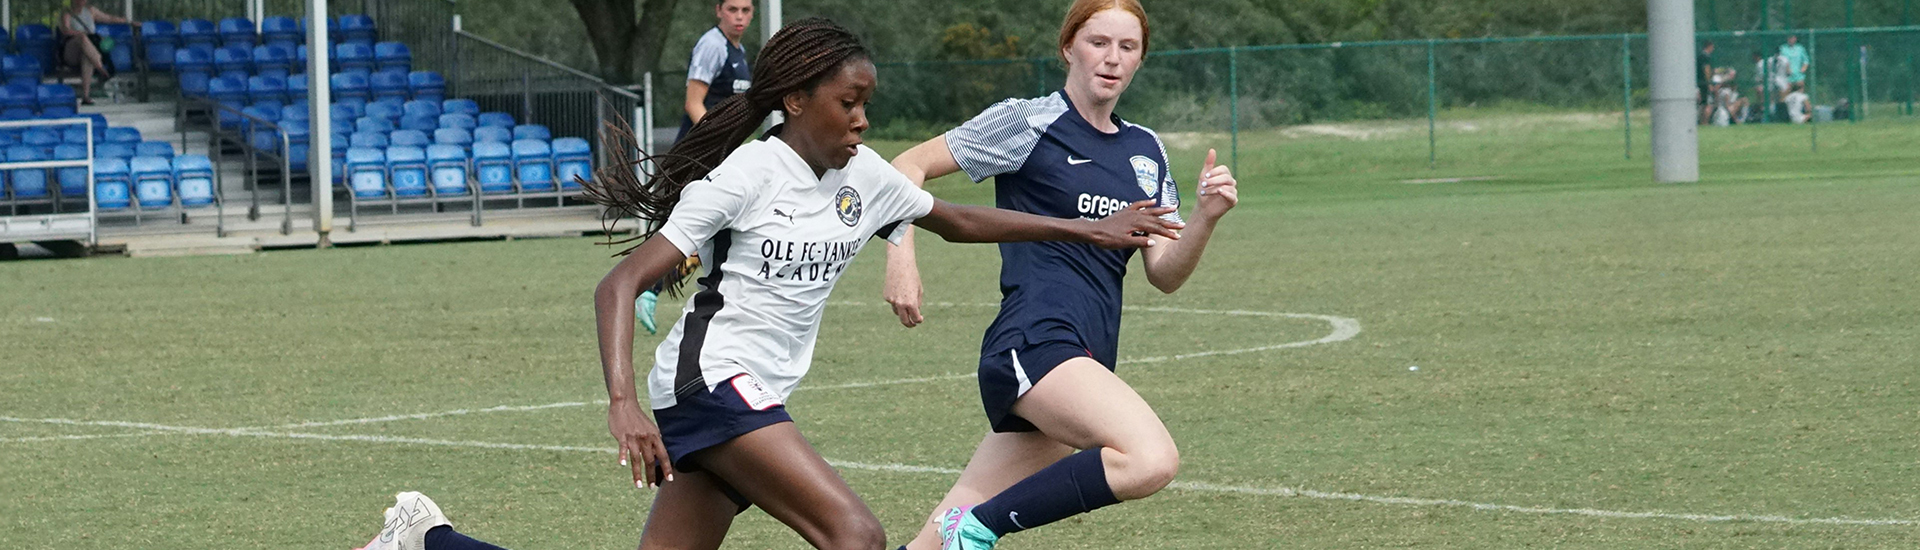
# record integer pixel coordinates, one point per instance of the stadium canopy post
(6, 14)
(1433, 109)
(1674, 87)
(1626, 92)
(320, 121)
(771, 23)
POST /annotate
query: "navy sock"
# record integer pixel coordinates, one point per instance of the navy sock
(1075, 485)
(445, 538)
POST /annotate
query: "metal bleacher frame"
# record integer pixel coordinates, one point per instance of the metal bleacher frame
(56, 225)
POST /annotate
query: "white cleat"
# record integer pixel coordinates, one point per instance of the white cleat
(407, 523)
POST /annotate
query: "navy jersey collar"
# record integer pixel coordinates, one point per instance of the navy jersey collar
(1082, 120)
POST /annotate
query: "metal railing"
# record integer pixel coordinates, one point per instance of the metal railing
(54, 223)
(189, 111)
(538, 91)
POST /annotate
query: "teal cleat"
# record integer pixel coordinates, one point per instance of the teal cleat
(959, 530)
(643, 310)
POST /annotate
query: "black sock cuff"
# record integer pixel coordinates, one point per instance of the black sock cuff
(1090, 477)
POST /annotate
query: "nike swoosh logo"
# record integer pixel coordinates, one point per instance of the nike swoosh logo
(1077, 162)
(1015, 518)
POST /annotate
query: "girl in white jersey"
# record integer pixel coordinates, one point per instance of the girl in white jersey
(778, 220)
(1068, 436)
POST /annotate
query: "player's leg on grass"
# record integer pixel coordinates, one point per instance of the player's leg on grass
(691, 512)
(1128, 456)
(776, 469)
(1001, 460)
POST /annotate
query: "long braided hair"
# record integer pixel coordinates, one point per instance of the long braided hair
(797, 58)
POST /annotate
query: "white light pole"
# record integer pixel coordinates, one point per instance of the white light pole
(1675, 89)
(320, 120)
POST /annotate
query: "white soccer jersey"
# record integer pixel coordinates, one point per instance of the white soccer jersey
(773, 239)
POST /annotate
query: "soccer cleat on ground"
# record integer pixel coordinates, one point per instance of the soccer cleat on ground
(959, 530)
(408, 521)
(643, 310)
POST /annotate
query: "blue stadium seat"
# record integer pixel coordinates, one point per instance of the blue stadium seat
(193, 175)
(351, 87)
(531, 131)
(448, 165)
(494, 118)
(59, 111)
(422, 108)
(407, 138)
(198, 32)
(460, 107)
(99, 125)
(386, 109)
(22, 69)
(267, 88)
(6, 40)
(73, 180)
(36, 40)
(194, 66)
(456, 120)
(273, 60)
(297, 88)
(372, 124)
(48, 95)
(161, 38)
(280, 28)
(572, 156)
(357, 28)
(373, 140)
(355, 57)
(120, 151)
(156, 149)
(261, 136)
(533, 164)
(299, 140)
(421, 123)
(393, 56)
(390, 85)
(427, 85)
(453, 136)
(407, 165)
(127, 135)
(231, 92)
(367, 172)
(74, 135)
(27, 183)
(19, 97)
(493, 166)
(493, 134)
(152, 181)
(111, 183)
(347, 111)
(43, 139)
(233, 59)
(120, 56)
(238, 31)
(294, 111)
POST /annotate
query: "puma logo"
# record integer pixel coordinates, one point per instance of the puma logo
(789, 217)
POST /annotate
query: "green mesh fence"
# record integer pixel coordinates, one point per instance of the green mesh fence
(1418, 94)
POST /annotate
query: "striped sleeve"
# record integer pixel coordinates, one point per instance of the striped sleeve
(1169, 195)
(709, 56)
(998, 140)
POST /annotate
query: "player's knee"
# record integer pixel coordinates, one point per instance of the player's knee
(857, 533)
(1147, 470)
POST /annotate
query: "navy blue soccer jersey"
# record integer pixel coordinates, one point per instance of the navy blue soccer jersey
(1046, 159)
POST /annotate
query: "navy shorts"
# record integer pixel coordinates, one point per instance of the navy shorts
(1008, 374)
(702, 419)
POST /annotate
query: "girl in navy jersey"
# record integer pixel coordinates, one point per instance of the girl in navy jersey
(1046, 366)
(777, 220)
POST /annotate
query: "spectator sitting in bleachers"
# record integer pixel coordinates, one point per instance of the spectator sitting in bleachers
(1729, 107)
(1799, 106)
(80, 44)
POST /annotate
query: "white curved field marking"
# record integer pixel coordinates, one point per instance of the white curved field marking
(1190, 486)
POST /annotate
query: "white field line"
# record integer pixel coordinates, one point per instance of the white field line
(1190, 486)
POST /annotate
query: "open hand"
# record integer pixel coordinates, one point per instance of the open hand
(1139, 225)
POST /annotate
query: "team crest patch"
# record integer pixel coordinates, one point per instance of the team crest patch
(1146, 172)
(753, 393)
(847, 204)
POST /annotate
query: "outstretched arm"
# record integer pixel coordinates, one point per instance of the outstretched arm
(903, 292)
(1169, 266)
(639, 439)
(1137, 226)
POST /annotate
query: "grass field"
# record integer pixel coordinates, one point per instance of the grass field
(1603, 363)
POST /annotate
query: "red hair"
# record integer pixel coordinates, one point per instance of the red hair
(1083, 10)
